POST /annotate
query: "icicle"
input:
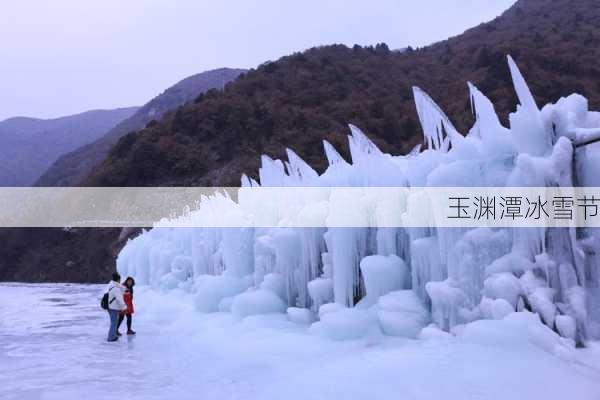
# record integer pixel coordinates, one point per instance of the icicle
(271, 172)
(246, 181)
(348, 248)
(528, 130)
(287, 256)
(333, 157)
(523, 93)
(487, 120)
(299, 169)
(426, 265)
(238, 251)
(415, 150)
(361, 145)
(312, 246)
(434, 122)
(450, 268)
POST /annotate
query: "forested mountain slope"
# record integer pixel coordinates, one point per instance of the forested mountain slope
(76, 165)
(303, 98)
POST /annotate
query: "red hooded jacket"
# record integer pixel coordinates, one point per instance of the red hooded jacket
(128, 297)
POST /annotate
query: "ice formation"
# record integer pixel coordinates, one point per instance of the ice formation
(349, 280)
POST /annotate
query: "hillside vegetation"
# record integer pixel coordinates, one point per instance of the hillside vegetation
(76, 165)
(303, 98)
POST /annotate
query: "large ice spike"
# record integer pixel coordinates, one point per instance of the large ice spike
(434, 122)
(523, 93)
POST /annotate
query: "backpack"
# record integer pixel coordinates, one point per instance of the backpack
(104, 302)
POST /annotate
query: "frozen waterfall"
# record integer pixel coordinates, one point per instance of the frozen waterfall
(401, 279)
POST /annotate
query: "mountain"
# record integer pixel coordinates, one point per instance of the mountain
(301, 99)
(28, 146)
(74, 166)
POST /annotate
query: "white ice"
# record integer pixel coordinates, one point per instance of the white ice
(458, 275)
(52, 346)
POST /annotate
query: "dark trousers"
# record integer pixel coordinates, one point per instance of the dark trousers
(128, 321)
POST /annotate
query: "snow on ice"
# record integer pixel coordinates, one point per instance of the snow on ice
(411, 282)
(60, 352)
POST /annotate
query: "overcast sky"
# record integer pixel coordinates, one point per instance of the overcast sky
(60, 57)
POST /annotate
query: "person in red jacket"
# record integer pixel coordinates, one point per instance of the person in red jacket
(128, 297)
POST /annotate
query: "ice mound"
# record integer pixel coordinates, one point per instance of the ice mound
(329, 308)
(274, 282)
(512, 262)
(541, 301)
(225, 304)
(321, 291)
(432, 332)
(181, 271)
(401, 313)
(344, 324)
(383, 275)
(256, 302)
(503, 286)
(352, 278)
(211, 290)
(501, 308)
(300, 315)
(518, 329)
(565, 325)
(446, 299)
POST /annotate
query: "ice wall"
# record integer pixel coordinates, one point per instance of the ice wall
(456, 275)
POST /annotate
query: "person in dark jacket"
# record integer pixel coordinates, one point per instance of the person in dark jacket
(128, 297)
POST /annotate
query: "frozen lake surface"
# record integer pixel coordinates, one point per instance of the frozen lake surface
(52, 346)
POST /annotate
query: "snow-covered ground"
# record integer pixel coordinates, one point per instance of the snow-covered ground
(52, 346)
